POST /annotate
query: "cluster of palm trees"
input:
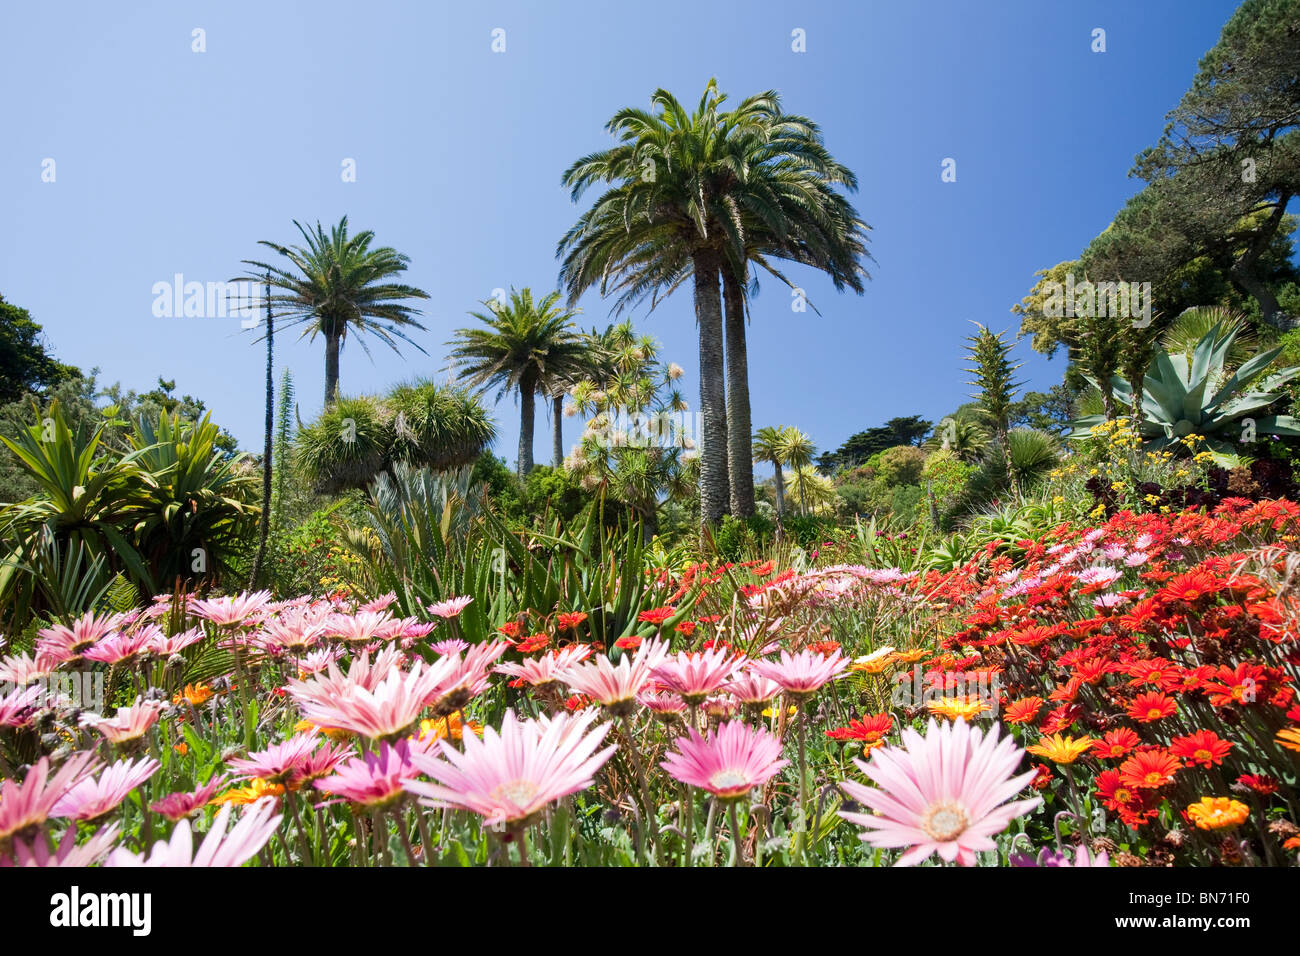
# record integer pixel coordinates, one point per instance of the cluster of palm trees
(714, 196)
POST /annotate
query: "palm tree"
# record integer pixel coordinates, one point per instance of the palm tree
(797, 450)
(670, 204)
(783, 446)
(723, 189)
(336, 284)
(768, 447)
(524, 346)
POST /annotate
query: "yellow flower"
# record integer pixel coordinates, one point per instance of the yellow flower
(1059, 749)
(790, 711)
(876, 662)
(333, 733)
(1289, 737)
(1218, 813)
(255, 791)
(954, 707)
(439, 725)
(195, 695)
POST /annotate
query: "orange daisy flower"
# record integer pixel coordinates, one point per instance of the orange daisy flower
(1116, 744)
(1152, 706)
(1149, 769)
(1059, 749)
(1218, 813)
(1204, 747)
(1022, 711)
(1289, 737)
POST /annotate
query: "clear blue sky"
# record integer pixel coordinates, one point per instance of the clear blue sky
(173, 161)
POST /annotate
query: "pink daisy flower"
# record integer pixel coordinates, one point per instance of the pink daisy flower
(510, 777)
(178, 806)
(18, 706)
(801, 674)
(279, 763)
(219, 848)
(129, 723)
(67, 853)
(373, 780)
(61, 645)
(729, 762)
(22, 669)
(379, 603)
(468, 679)
(547, 669)
(91, 799)
(386, 712)
(295, 631)
(25, 806)
(617, 686)
(943, 793)
(165, 646)
(449, 608)
(751, 688)
(233, 611)
(118, 648)
(665, 705)
(453, 645)
(362, 627)
(696, 676)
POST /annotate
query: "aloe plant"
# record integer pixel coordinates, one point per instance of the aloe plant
(1196, 393)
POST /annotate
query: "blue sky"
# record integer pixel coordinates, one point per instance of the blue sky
(170, 161)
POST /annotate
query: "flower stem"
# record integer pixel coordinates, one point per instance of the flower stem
(735, 833)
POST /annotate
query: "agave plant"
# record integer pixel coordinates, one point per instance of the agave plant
(87, 497)
(200, 503)
(1196, 393)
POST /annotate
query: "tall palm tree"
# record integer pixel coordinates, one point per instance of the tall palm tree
(670, 201)
(783, 446)
(337, 284)
(768, 447)
(797, 450)
(525, 346)
(747, 185)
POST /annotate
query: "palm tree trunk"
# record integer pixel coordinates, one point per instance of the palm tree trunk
(333, 343)
(264, 522)
(714, 486)
(780, 492)
(740, 448)
(557, 423)
(527, 403)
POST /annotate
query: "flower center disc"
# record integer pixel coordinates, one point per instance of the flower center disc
(944, 822)
(518, 793)
(727, 780)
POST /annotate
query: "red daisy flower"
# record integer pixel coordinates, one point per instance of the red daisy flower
(869, 729)
(1149, 769)
(1204, 747)
(1023, 711)
(1152, 706)
(1259, 782)
(1116, 744)
(1190, 587)
(569, 621)
(656, 615)
(534, 642)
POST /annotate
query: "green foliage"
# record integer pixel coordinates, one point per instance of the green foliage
(25, 366)
(860, 447)
(1195, 394)
(737, 539)
(355, 440)
(170, 505)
